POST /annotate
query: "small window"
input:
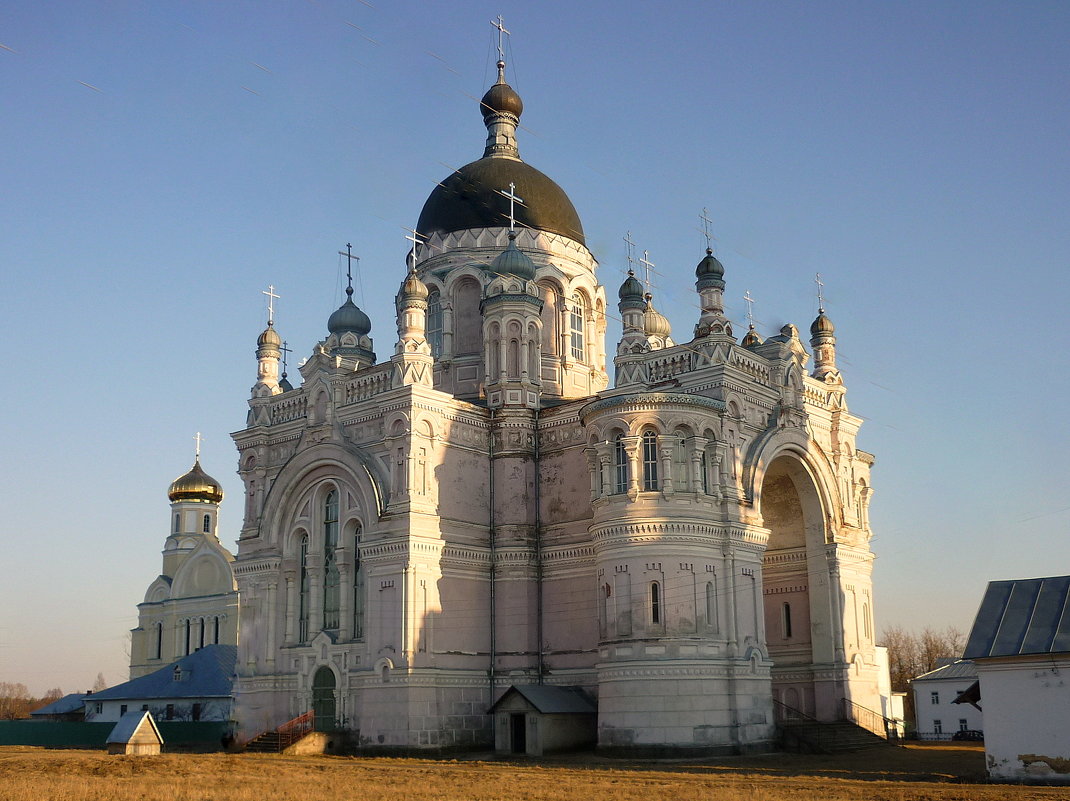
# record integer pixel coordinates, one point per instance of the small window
(144, 707)
(177, 673)
(207, 525)
(159, 640)
(963, 725)
(934, 698)
(100, 707)
(704, 466)
(938, 727)
(434, 323)
(655, 602)
(215, 635)
(122, 709)
(785, 621)
(178, 521)
(576, 320)
(170, 712)
(196, 712)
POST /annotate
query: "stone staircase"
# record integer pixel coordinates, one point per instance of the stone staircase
(833, 737)
(278, 740)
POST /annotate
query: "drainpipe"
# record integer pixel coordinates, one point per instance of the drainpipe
(538, 550)
(493, 537)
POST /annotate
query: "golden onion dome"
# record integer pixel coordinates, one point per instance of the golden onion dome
(196, 485)
(270, 338)
(654, 322)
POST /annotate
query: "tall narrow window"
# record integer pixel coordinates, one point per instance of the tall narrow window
(655, 602)
(650, 461)
(178, 521)
(679, 466)
(576, 321)
(207, 525)
(786, 620)
(711, 605)
(866, 625)
(434, 323)
(304, 589)
(358, 589)
(704, 466)
(620, 466)
(159, 640)
(215, 634)
(189, 632)
(331, 578)
(200, 640)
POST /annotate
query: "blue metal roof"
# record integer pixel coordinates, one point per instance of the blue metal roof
(71, 702)
(1021, 617)
(959, 669)
(206, 673)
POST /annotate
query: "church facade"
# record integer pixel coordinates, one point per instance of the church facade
(689, 546)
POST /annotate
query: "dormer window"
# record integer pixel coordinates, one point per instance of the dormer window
(178, 673)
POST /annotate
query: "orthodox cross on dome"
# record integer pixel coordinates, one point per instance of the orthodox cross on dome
(272, 297)
(417, 240)
(648, 266)
(285, 349)
(500, 25)
(513, 199)
(750, 307)
(349, 268)
(630, 245)
(820, 296)
(197, 452)
(706, 223)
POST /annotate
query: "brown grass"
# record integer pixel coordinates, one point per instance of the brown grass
(922, 773)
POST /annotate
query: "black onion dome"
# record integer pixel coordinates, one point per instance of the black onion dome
(513, 261)
(631, 289)
(348, 317)
(822, 324)
(471, 198)
(709, 267)
(501, 98)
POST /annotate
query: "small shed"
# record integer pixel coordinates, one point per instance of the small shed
(537, 719)
(135, 733)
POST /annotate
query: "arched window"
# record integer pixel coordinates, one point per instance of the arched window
(650, 461)
(577, 318)
(207, 524)
(866, 623)
(494, 360)
(704, 466)
(189, 632)
(331, 578)
(159, 640)
(303, 591)
(620, 466)
(785, 620)
(679, 465)
(178, 521)
(434, 323)
(215, 634)
(551, 307)
(467, 321)
(358, 589)
(655, 602)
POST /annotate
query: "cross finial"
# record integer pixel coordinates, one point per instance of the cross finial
(706, 223)
(272, 297)
(349, 268)
(630, 245)
(417, 240)
(648, 265)
(820, 297)
(750, 307)
(511, 194)
(197, 452)
(285, 349)
(500, 25)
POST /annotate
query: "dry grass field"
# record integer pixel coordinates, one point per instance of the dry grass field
(921, 773)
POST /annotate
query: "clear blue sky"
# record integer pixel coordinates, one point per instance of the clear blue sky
(164, 162)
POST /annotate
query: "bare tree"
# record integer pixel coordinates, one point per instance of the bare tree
(100, 683)
(14, 700)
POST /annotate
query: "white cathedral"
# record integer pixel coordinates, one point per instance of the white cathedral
(483, 511)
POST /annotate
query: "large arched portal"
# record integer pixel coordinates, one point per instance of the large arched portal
(798, 620)
(323, 699)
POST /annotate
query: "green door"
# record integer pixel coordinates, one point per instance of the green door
(323, 703)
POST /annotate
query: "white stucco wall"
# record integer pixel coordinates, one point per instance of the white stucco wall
(1027, 708)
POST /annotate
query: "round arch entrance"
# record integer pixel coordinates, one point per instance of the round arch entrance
(323, 699)
(798, 622)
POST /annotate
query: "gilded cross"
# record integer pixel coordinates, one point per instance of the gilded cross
(197, 439)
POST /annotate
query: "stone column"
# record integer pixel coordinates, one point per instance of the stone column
(290, 576)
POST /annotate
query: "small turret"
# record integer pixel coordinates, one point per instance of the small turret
(268, 353)
(823, 341)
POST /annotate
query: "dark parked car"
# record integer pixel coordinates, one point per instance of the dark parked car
(968, 734)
